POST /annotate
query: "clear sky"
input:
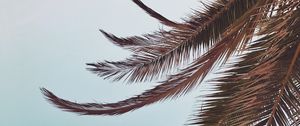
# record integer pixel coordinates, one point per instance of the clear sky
(46, 43)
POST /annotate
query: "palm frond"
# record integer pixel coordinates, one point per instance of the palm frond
(175, 85)
(261, 88)
(176, 45)
(134, 43)
(258, 90)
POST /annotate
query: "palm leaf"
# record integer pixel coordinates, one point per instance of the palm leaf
(175, 85)
(176, 45)
(265, 92)
(261, 88)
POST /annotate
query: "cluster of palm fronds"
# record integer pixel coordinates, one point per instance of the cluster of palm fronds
(262, 87)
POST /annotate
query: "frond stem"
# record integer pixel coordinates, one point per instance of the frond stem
(281, 91)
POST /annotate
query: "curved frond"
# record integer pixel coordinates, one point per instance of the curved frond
(175, 85)
(177, 45)
(132, 43)
(261, 89)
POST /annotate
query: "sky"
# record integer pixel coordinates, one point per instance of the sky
(46, 43)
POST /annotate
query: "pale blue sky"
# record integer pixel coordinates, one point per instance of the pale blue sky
(46, 43)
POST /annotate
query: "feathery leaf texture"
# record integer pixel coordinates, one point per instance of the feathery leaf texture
(175, 46)
(262, 87)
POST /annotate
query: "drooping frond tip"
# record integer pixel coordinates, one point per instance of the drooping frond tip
(159, 17)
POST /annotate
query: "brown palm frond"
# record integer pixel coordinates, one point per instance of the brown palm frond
(256, 100)
(134, 43)
(175, 85)
(261, 88)
(225, 87)
(176, 45)
(270, 97)
(260, 93)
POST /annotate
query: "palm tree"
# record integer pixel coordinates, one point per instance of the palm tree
(261, 86)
